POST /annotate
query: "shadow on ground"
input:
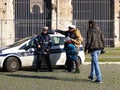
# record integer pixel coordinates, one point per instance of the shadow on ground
(48, 77)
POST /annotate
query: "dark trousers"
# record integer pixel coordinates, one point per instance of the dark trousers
(39, 61)
(70, 65)
(77, 64)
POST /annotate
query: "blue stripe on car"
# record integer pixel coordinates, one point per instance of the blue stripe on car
(9, 54)
(81, 49)
(19, 54)
(23, 54)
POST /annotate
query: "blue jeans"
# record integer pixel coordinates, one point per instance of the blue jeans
(95, 68)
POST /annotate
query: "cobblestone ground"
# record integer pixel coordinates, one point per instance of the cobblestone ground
(60, 80)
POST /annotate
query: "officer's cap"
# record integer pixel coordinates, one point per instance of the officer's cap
(45, 28)
(72, 26)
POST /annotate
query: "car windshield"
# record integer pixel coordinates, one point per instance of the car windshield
(20, 42)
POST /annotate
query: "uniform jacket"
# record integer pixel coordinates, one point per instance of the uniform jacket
(44, 41)
(95, 40)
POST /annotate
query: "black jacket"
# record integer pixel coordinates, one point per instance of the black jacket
(75, 35)
(44, 41)
(95, 40)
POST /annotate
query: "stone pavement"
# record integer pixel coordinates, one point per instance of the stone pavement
(61, 80)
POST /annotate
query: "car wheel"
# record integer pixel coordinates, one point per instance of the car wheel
(12, 64)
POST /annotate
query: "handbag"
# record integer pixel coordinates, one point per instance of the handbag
(102, 52)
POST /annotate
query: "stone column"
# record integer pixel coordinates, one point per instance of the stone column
(117, 23)
(61, 14)
(54, 15)
(7, 30)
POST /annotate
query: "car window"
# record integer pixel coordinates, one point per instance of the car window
(57, 40)
(30, 44)
(23, 47)
(19, 42)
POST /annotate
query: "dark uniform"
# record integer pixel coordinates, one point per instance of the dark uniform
(43, 52)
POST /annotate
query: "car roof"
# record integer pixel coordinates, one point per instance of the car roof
(57, 35)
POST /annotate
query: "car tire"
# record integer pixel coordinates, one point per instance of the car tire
(12, 64)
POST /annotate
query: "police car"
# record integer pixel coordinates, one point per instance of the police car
(23, 53)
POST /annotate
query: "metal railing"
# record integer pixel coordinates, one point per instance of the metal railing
(14, 30)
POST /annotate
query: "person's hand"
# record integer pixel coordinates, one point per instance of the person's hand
(39, 46)
(69, 42)
(72, 40)
(47, 50)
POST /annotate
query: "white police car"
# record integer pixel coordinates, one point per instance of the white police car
(16, 56)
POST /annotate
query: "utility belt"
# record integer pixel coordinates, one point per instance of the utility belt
(43, 52)
(44, 42)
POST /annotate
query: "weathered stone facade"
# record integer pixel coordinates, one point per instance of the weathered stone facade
(62, 12)
(36, 2)
(117, 23)
(7, 25)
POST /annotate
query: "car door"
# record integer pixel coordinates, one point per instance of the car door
(29, 54)
(57, 52)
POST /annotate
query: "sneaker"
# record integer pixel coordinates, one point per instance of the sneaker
(91, 78)
(98, 81)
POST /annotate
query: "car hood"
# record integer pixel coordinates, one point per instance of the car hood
(4, 48)
(8, 50)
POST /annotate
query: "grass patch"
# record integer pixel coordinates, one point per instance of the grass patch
(104, 60)
(111, 55)
(112, 51)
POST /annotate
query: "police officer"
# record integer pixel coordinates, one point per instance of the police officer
(43, 42)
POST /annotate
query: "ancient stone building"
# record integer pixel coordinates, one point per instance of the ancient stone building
(22, 18)
(7, 30)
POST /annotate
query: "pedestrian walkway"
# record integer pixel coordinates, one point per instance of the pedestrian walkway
(61, 80)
